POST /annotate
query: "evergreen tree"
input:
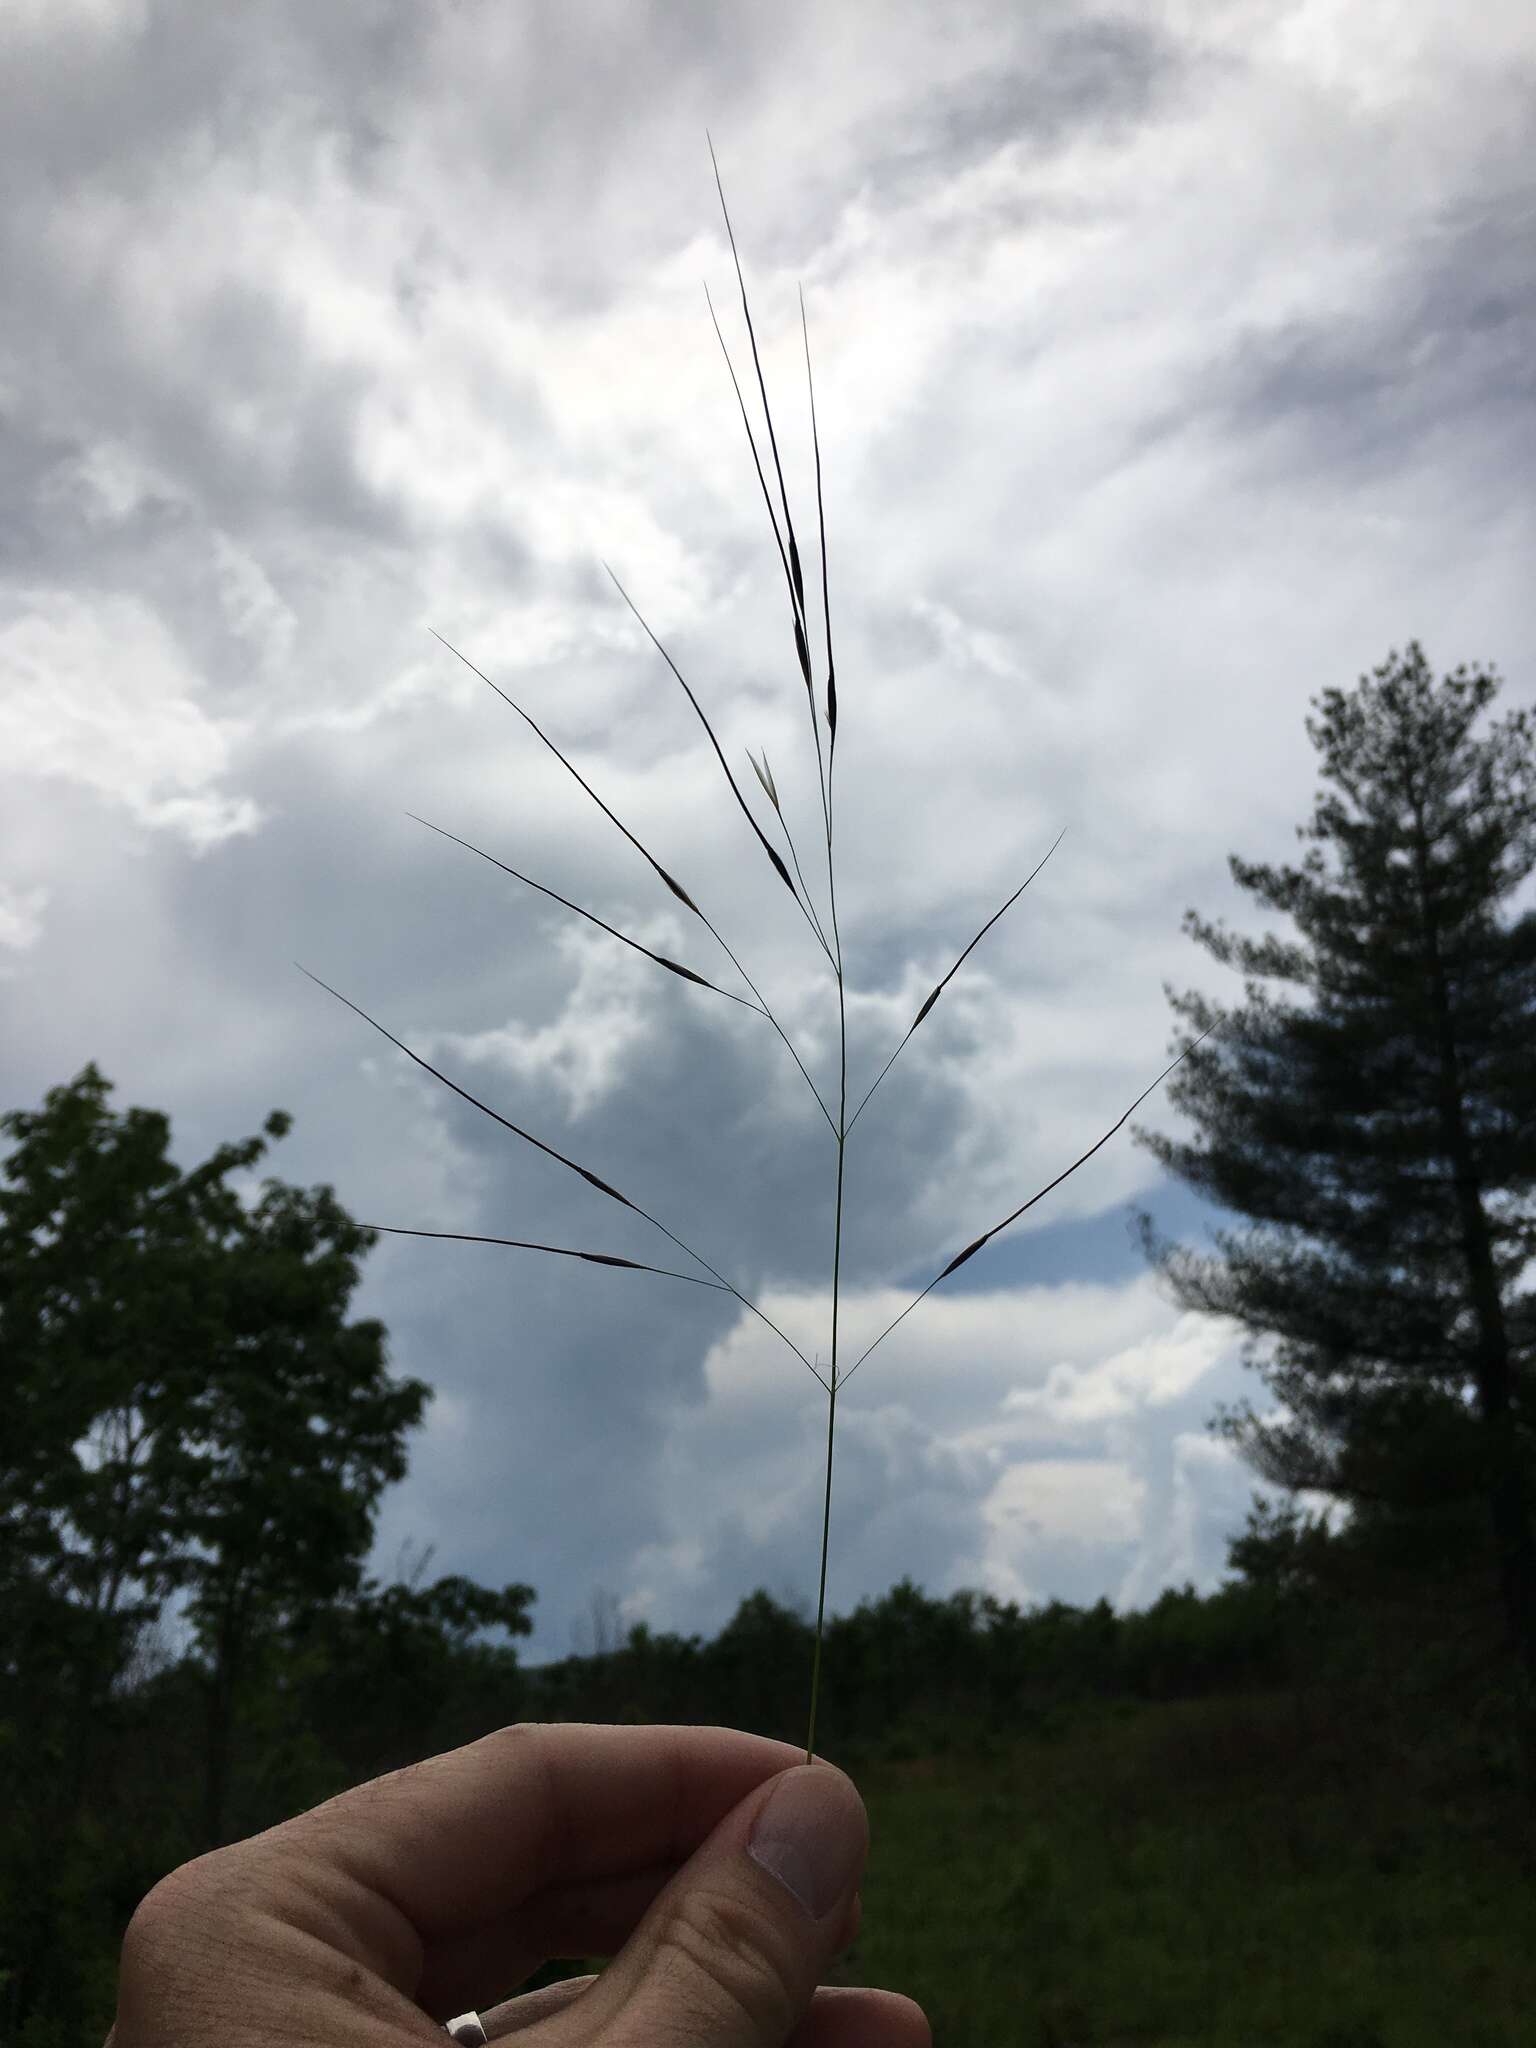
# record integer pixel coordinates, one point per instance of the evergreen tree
(1384, 1142)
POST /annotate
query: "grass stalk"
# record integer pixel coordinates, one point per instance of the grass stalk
(828, 936)
(835, 954)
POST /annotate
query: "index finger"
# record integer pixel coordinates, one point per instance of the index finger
(464, 1838)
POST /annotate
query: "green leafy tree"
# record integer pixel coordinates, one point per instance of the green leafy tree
(99, 1248)
(1384, 1142)
(287, 1436)
(188, 1410)
(378, 1672)
(105, 1294)
(753, 1664)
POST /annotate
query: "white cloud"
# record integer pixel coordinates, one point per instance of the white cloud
(21, 916)
(95, 692)
(1083, 1501)
(1161, 1368)
(967, 1419)
(1169, 368)
(583, 1053)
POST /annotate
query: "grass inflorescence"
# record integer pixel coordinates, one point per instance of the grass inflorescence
(820, 916)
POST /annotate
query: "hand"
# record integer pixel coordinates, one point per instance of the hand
(717, 1869)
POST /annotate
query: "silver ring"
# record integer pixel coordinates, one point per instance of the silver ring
(469, 2029)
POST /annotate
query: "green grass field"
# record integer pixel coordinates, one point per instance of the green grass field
(1196, 1875)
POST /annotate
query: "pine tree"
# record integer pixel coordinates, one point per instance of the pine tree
(1384, 1142)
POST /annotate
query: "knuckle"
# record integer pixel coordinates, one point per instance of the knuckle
(167, 1903)
(182, 1899)
(712, 1947)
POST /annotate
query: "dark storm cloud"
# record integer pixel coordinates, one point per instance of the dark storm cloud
(322, 325)
(1083, 75)
(1442, 355)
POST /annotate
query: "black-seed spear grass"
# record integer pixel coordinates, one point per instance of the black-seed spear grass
(822, 704)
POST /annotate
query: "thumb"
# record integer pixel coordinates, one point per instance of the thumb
(730, 1954)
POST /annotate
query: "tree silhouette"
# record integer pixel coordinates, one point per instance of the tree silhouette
(103, 1297)
(376, 1673)
(287, 1441)
(1387, 1137)
(188, 1409)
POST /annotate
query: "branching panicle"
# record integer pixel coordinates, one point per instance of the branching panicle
(828, 935)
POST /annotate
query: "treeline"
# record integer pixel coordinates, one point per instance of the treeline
(909, 1673)
(393, 1673)
(1389, 1604)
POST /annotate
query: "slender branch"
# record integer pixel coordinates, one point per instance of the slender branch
(797, 586)
(571, 769)
(792, 561)
(676, 887)
(778, 866)
(602, 1186)
(560, 1251)
(661, 959)
(976, 1244)
(809, 907)
(596, 1259)
(770, 790)
(795, 606)
(927, 1006)
(821, 525)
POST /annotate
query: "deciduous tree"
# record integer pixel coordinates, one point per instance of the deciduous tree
(188, 1407)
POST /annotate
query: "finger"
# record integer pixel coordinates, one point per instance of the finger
(841, 2016)
(595, 1919)
(566, 1921)
(731, 1952)
(846, 2016)
(426, 1855)
(515, 2014)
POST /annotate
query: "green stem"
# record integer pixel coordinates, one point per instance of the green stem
(837, 1266)
(826, 1509)
(821, 1598)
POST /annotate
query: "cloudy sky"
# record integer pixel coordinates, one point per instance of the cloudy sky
(1173, 364)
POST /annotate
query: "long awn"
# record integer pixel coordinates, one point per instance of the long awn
(822, 703)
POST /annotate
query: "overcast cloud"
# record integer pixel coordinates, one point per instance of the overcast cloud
(1172, 365)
